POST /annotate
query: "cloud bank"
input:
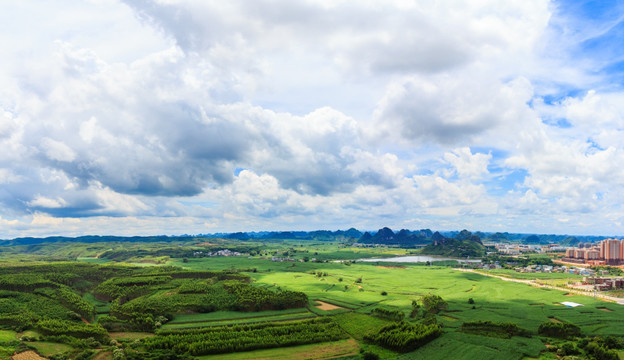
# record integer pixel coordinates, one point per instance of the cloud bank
(169, 117)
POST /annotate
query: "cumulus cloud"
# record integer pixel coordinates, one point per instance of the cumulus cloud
(124, 130)
(41, 201)
(450, 110)
(8, 176)
(187, 116)
(56, 150)
(467, 164)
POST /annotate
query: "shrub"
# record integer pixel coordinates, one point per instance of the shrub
(429, 319)
(367, 355)
(600, 352)
(489, 328)
(568, 348)
(559, 330)
(433, 303)
(404, 337)
(394, 315)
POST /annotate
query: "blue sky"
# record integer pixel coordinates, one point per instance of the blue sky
(175, 116)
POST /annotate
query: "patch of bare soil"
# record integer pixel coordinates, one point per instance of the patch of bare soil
(103, 355)
(27, 355)
(326, 306)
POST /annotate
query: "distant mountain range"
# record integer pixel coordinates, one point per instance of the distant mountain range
(383, 236)
(462, 244)
(404, 237)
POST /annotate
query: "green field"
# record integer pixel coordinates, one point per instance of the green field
(357, 325)
(46, 348)
(130, 335)
(331, 350)
(101, 307)
(530, 276)
(468, 347)
(494, 300)
(7, 335)
(155, 300)
(232, 315)
(239, 318)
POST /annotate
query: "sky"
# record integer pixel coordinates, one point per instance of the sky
(144, 117)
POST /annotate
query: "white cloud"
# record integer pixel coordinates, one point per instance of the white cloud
(163, 116)
(8, 176)
(56, 150)
(44, 202)
(453, 109)
(468, 165)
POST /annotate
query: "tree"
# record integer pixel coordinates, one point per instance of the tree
(433, 304)
(415, 309)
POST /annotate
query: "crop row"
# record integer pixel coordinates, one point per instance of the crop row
(224, 339)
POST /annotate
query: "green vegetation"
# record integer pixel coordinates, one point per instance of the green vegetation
(358, 325)
(559, 330)
(231, 315)
(530, 276)
(403, 336)
(218, 340)
(521, 261)
(388, 314)
(488, 328)
(433, 304)
(329, 350)
(46, 348)
(462, 346)
(246, 320)
(258, 301)
(7, 336)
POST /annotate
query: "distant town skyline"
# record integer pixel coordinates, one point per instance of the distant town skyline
(171, 117)
(606, 252)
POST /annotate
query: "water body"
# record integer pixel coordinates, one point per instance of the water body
(421, 258)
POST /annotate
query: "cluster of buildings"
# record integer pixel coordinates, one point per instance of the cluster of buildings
(606, 252)
(224, 252)
(283, 259)
(556, 269)
(605, 283)
(517, 249)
